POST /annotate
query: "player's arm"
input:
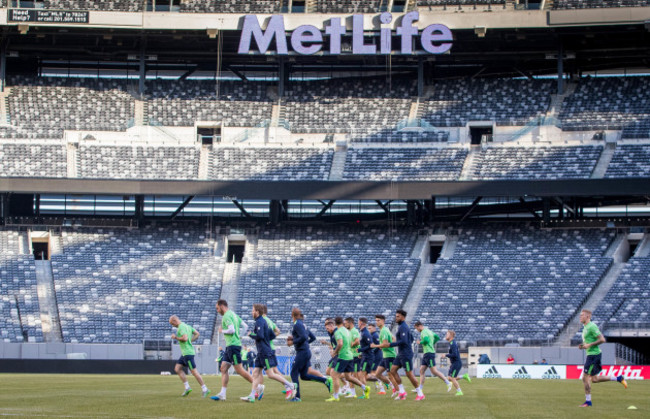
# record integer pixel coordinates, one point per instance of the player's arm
(384, 344)
(355, 342)
(600, 339)
(401, 340)
(180, 338)
(311, 336)
(365, 343)
(424, 340)
(195, 335)
(339, 345)
(230, 330)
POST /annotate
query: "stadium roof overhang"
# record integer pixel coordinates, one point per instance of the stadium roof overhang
(326, 190)
(499, 51)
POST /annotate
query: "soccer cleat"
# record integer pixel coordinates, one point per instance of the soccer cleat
(466, 377)
(247, 399)
(218, 398)
(289, 394)
(414, 391)
(449, 386)
(459, 393)
(401, 396)
(260, 391)
(205, 393)
(419, 398)
(586, 404)
(621, 380)
(284, 391)
(351, 395)
(382, 392)
(328, 383)
(186, 392)
(332, 399)
(366, 393)
(295, 399)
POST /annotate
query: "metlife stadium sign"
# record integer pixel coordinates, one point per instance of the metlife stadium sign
(309, 40)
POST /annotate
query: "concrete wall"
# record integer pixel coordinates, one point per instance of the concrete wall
(70, 350)
(553, 354)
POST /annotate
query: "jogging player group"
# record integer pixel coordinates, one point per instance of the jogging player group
(359, 356)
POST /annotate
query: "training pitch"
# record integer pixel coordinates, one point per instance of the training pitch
(104, 396)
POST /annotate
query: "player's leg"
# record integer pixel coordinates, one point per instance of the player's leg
(178, 368)
(436, 373)
(336, 377)
(241, 371)
(296, 366)
(257, 372)
(195, 372)
(423, 374)
(454, 370)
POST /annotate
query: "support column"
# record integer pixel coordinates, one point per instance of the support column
(560, 69)
(410, 213)
(420, 77)
(546, 212)
(3, 65)
(4, 208)
(274, 212)
(283, 76)
(139, 208)
(143, 69)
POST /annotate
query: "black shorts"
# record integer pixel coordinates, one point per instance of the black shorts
(429, 360)
(333, 361)
(367, 363)
(343, 365)
(266, 361)
(187, 361)
(593, 365)
(455, 368)
(357, 364)
(387, 363)
(232, 355)
(377, 361)
(404, 361)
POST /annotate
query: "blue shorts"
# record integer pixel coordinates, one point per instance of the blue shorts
(367, 363)
(232, 355)
(377, 361)
(455, 368)
(404, 361)
(333, 362)
(266, 361)
(343, 365)
(592, 365)
(387, 363)
(357, 364)
(187, 361)
(429, 360)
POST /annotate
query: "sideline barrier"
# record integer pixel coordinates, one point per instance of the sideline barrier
(630, 372)
(526, 372)
(557, 372)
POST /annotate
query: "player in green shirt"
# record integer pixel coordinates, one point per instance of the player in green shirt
(232, 328)
(428, 340)
(345, 355)
(385, 339)
(185, 335)
(591, 341)
(355, 336)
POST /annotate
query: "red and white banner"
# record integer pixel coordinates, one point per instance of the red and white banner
(630, 372)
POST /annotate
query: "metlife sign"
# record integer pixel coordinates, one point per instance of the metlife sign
(309, 40)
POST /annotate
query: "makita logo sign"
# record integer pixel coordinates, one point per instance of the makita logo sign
(308, 39)
(492, 373)
(630, 372)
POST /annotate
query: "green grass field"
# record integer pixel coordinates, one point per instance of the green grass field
(101, 396)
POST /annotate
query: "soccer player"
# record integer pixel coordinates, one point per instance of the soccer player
(355, 336)
(404, 358)
(428, 340)
(345, 357)
(456, 363)
(367, 361)
(591, 341)
(185, 335)
(244, 357)
(220, 359)
(377, 357)
(232, 328)
(388, 353)
(300, 339)
(261, 334)
(288, 387)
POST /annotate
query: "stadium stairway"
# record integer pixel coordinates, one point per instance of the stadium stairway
(643, 249)
(604, 160)
(421, 251)
(338, 164)
(598, 294)
(204, 162)
(229, 286)
(72, 160)
(470, 162)
(50, 323)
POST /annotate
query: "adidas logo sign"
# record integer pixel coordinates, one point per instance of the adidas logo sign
(521, 373)
(551, 374)
(492, 373)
